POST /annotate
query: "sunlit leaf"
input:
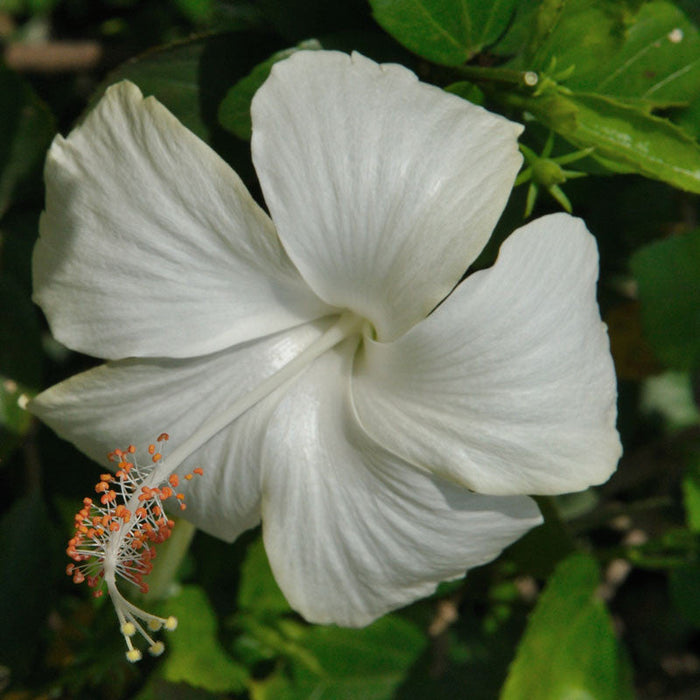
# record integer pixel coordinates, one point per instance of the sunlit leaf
(625, 137)
(449, 32)
(691, 494)
(579, 33)
(195, 655)
(369, 663)
(569, 648)
(668, 275)
(658, 59)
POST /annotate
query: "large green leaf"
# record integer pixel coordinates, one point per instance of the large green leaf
(579, 33)
(569, 648)
(195, 655)
(26, 129)
(625, 137)
(370, 663)
(449, 32)
(658, 61)
(651, 55)
(668, 276)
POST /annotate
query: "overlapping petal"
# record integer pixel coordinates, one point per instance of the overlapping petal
(132, 401)
(383, 189)
(508, 387)
(150, 244)
(352, 531)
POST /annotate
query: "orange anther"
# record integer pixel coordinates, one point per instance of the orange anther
(174, 480)
(188, 477)
(163, 436)
(157, 457)
(151, 449)
(180, 496)
(199, 471)
(114, 527)
(105, 477)
(131, 449)
(101, 487)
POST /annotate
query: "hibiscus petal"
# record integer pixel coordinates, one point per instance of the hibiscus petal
(383, 189)
(150, 244)
(353, 532)
(509, 386)
(132, 401)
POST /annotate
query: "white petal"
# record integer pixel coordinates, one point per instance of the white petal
(508, 387)
(352, 532)
(132, 401)
(150, 244)
(383, 189)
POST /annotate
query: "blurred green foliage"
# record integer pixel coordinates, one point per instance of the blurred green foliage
(621, 77)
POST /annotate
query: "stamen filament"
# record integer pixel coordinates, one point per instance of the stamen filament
(347, 325)
(116, 536)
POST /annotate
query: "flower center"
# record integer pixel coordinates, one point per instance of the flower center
(117, 536)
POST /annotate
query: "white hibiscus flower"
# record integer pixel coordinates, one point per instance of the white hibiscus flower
(385, 446)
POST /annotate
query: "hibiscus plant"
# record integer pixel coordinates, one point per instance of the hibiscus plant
(361, 424)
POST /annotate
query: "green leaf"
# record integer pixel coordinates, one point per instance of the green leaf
(258, 591)
(579, 33)
(194, 654)
(668, 276)
(369, 663)
(569, 648)
(191, 79)
(658, 60)
(691, 493)
(448, 32)
(625, 138)
(234, 111)
(27, 127)
(467, 91)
